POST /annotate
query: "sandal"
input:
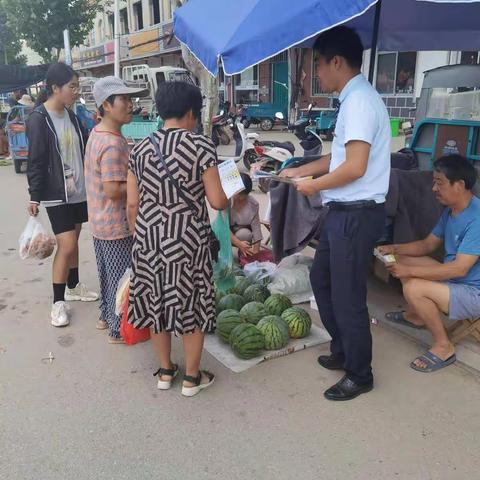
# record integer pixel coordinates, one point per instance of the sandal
(433, 363)
(198, 386)
(170, 372)
(399, 318)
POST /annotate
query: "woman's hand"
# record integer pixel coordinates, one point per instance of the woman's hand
(245, 248)
(387, 249)
(291, 173)
(33, 209)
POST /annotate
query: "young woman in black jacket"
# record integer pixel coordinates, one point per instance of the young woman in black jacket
(56, 146)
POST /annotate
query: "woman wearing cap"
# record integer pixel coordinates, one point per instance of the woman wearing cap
(56, 146)
(106, 168)
(171, 289)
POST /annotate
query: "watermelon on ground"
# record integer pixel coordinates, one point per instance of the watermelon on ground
(256, 293)
(298, 321)
(231, 301)
(241, 284)
(277, 304)
(254, 312)
(226, 322)
(275, 332)
(247, 341)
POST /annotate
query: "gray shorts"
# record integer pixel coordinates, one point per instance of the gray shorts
(464, 302)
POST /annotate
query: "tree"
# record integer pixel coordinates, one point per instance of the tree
(208, 85)
(41, 22)
(10, 44)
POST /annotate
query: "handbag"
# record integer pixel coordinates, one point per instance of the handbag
(214, 244)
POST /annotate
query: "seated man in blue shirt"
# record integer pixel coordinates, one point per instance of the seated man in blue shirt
(452, 287)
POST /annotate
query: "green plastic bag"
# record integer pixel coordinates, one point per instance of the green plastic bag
(223, 269)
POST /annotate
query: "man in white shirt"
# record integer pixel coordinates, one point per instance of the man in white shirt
(353, 181)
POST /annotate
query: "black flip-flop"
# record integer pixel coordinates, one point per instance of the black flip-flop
(433, 362)
(399, 317)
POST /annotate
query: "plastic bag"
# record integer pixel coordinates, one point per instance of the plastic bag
(260, 272)
(122, 291)
(129, 333)
(292, 279)
(223, 271)
(35, 241)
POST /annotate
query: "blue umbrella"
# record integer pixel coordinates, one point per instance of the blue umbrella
(242, 33)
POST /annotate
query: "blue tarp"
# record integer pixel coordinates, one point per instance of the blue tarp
(242, 33)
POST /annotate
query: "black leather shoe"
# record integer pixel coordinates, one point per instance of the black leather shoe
(347, 389)
(331, 362)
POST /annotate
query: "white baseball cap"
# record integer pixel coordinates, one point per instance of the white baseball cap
(107, 86)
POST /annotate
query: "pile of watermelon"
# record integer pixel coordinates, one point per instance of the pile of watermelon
(251, 320)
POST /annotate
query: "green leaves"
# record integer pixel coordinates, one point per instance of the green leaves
(41, 22)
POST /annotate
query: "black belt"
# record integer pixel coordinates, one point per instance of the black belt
(345, 206)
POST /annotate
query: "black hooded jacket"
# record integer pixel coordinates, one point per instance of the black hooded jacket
(45, 173)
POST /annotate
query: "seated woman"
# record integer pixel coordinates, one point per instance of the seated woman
(246, 232)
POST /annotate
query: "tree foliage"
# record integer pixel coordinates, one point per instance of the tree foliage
(10, 43)
(41, 22)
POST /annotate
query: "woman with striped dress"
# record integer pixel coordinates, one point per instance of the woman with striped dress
(171, 289)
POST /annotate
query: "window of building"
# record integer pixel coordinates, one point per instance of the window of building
(138, 15)
(123, 21)
(111, 26)
(396, 73)
(246, 86)
(155, 11)
(469, 58)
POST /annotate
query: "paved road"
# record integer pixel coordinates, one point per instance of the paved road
(94, 412)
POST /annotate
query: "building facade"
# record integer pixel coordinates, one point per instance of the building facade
(146, 37)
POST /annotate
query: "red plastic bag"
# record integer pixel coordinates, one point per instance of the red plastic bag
(130, 334)
(264, 255)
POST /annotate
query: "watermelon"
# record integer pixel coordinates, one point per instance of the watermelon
(226, 322)
(298, 321)
(275, 331)
(241, 284)
(254, 312)
(277, 304)
(247, 341)
(231, 302)
(256, 293)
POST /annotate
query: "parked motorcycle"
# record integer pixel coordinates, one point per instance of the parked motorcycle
(220, 129)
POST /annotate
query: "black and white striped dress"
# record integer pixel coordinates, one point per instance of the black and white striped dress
(171, 288)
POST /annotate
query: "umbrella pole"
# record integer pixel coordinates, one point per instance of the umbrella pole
(373, 51)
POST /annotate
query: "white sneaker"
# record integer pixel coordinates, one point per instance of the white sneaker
(60, 314)
(80, 294)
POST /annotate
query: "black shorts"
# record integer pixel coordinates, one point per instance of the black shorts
(63, 218)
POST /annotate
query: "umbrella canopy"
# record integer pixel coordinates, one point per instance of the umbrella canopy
(13, 77)
(244, 33)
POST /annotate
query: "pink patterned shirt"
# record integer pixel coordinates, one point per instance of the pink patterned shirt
(106, 160)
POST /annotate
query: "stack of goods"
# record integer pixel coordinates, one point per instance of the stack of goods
(251, 320)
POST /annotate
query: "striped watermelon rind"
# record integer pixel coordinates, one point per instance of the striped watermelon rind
(275, 332)
(246, 341)
(256, 293)
(241, 284)
(226, 322)
(299, 322)
(231, 301)
(276, 304)
(254, 312)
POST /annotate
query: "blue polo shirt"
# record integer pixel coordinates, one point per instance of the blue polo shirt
(461, 234)
(362, 116)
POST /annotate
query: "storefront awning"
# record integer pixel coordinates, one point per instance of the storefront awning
(13, 77)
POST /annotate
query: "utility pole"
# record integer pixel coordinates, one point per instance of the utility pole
(66, 43)
(116, 36)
